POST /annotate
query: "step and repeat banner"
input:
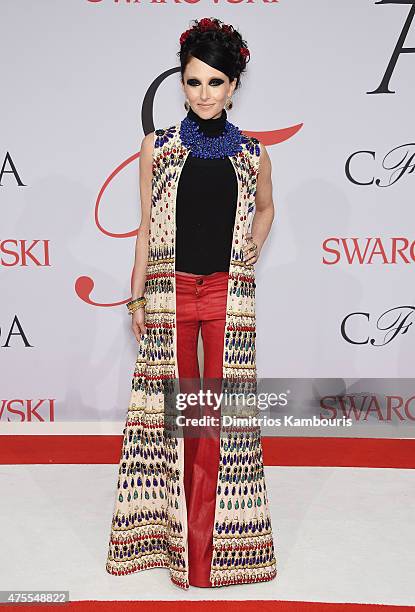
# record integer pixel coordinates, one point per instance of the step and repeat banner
(329, 90)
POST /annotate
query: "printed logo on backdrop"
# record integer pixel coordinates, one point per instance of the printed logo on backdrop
(386, 327)
(84, 284)
(368, 251)
(8, 167)
(399, 47)
(363, 168)
(13, 252)
(27, 410)
(14, 329)
(24, 253)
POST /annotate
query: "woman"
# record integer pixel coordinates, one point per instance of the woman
(196, 501)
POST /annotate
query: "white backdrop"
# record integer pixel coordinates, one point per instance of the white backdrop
(74, 77)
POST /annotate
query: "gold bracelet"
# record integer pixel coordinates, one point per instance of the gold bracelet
(133, 309)
(136, 308)
(133, 305)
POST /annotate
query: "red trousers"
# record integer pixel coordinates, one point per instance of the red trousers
(201, 304)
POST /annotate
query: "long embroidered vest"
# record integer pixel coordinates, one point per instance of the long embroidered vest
(149, 523)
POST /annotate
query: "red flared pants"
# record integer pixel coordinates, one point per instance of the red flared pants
(201, 304)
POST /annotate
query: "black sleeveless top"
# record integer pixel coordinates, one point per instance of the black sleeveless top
(206, 205)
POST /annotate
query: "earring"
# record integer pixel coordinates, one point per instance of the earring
(228, 104)
(186, 105)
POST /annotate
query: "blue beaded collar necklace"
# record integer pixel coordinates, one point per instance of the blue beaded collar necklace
(210, 138)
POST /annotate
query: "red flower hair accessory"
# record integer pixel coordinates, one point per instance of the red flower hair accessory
(206, 24)
(185, 35)
(244, 52)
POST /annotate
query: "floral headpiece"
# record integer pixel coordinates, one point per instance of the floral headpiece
(207, 24)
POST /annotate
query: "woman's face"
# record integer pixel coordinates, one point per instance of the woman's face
(206, 88)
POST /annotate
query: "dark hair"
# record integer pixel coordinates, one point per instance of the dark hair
(216, 44)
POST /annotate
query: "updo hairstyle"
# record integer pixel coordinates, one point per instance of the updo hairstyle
(216, 44)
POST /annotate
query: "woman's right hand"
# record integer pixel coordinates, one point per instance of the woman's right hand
(138, 323)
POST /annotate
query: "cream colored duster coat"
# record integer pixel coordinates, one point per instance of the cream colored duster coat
(149, 524)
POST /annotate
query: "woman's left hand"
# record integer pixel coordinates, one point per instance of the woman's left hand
(250, 250)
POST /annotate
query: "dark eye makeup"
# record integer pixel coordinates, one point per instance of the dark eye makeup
(211, 82)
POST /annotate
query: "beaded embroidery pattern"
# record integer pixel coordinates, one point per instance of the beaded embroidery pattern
(149, 523)
(226, 144)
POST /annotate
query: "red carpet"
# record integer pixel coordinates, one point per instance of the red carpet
(324, 452)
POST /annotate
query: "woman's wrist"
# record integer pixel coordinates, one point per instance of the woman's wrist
(135, 304)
